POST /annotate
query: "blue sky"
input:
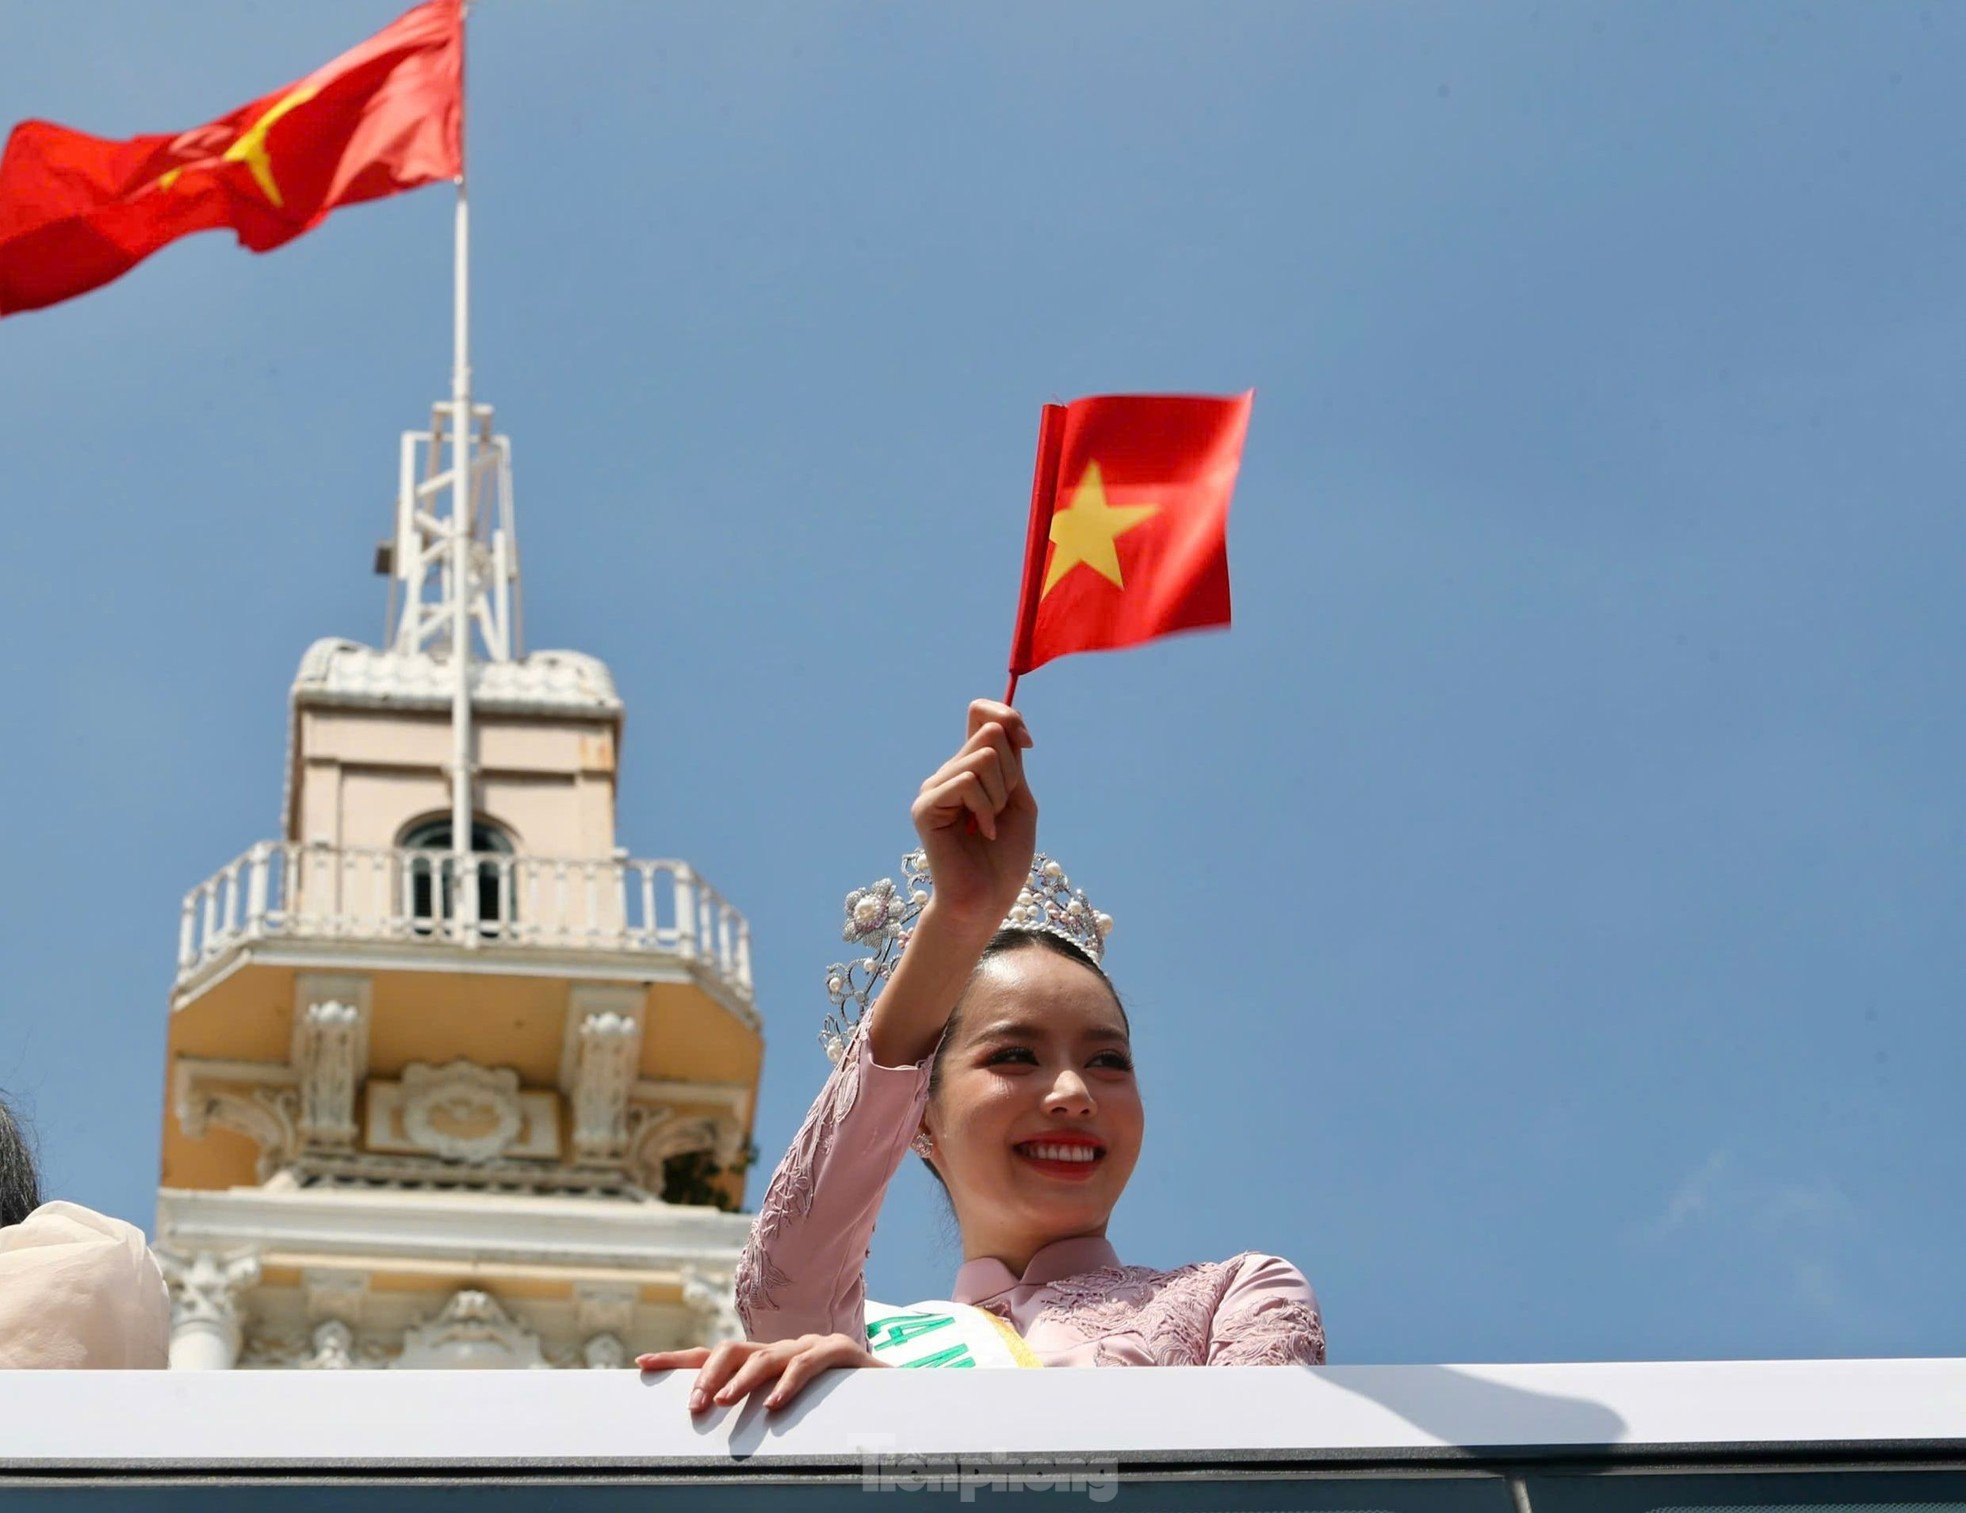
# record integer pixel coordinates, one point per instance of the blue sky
(1540, 913)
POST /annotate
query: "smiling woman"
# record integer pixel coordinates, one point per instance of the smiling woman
(1001, 1054)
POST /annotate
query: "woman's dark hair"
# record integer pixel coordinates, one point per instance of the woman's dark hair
(1002, 944)
(20, 1188)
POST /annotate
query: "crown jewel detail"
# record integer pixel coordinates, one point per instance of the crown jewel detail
(881, 916)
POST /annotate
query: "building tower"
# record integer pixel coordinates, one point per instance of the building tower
(454, 1100)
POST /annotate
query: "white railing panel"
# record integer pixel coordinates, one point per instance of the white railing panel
(1237, 1419)
(481, 900)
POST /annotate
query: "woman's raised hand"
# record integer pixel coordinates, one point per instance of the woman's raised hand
(732, 1371)
(977, 819)
(979, 825)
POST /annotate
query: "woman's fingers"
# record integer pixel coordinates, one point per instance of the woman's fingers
(984, 711)
(723, 1361)
(673, 1360)
(943, 806)
(992, 760)
(988, 765)
(824, 1355)
(735, 1370)
(991, 738)
(1010, 760)
(763, 1366)
(968, 788)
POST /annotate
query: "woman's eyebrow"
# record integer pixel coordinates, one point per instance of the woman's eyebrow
(1025, 1029)
(1004, 1028)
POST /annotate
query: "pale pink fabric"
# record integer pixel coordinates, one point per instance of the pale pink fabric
(80, 1289)
(803, 1270)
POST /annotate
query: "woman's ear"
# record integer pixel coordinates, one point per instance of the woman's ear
(923, 1144)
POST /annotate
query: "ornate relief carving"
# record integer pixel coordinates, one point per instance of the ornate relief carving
(329, 1043)
(656, 1134)
(604, 1307)
(501, 1174)
(263, 1114)
(715, 1308)
(462, 1112)
(205, 1286)
(472, 1330)
(324, 1348)
(334, 1347)
(334, 1295)
(608, 1046)
(205, 1324)
(475, 1116)
(604, 1352)
(330, 1053)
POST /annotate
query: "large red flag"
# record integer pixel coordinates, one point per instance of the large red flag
(1129, 523)
(77, 211)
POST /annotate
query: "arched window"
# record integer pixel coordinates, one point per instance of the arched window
(428, 874)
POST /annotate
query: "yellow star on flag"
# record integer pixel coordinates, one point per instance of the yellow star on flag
(249, 147)
(1086, 530)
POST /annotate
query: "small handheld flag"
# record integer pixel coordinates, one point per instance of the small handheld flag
(77, 211)
(1128, 537)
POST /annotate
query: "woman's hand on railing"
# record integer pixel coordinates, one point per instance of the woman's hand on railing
(732, 1371)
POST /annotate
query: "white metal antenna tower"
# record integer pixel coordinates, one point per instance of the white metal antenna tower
(424, 593)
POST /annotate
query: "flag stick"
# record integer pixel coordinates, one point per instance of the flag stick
(1044, 498)
(460, 563)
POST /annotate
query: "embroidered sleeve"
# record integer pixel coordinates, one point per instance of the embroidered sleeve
(1268, 1316)
(803, 1268)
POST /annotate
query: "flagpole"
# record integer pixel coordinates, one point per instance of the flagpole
(1044, 499)
(460, 564)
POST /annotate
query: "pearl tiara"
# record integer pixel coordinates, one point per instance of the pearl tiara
(881, 917)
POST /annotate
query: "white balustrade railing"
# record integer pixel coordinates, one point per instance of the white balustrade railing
(288, 889)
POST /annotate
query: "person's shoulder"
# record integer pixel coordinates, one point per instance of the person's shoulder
(1255, 1268)
(79, 1288)
(1267, 1315)
(1246, 1276)
(63, 1223)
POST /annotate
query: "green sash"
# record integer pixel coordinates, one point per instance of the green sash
(944, 1334)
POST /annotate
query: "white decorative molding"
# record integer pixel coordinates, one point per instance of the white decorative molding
(604, 1352)
(346, 673)
(712, 1302)
(514, 1173)
(254, 1098)
(334, 1296)
(330, 1054)
(604, 1307)
(205, 1326)
(471, 1114)
(334, 1347)
(608, 1045)
(584, 999)
(655, 1135)
(462, 1111)
(471, 1330)
(329, 1346)
(731, 1097)
(469, 1228)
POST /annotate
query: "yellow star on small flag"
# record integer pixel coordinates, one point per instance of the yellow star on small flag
(1086, 530)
